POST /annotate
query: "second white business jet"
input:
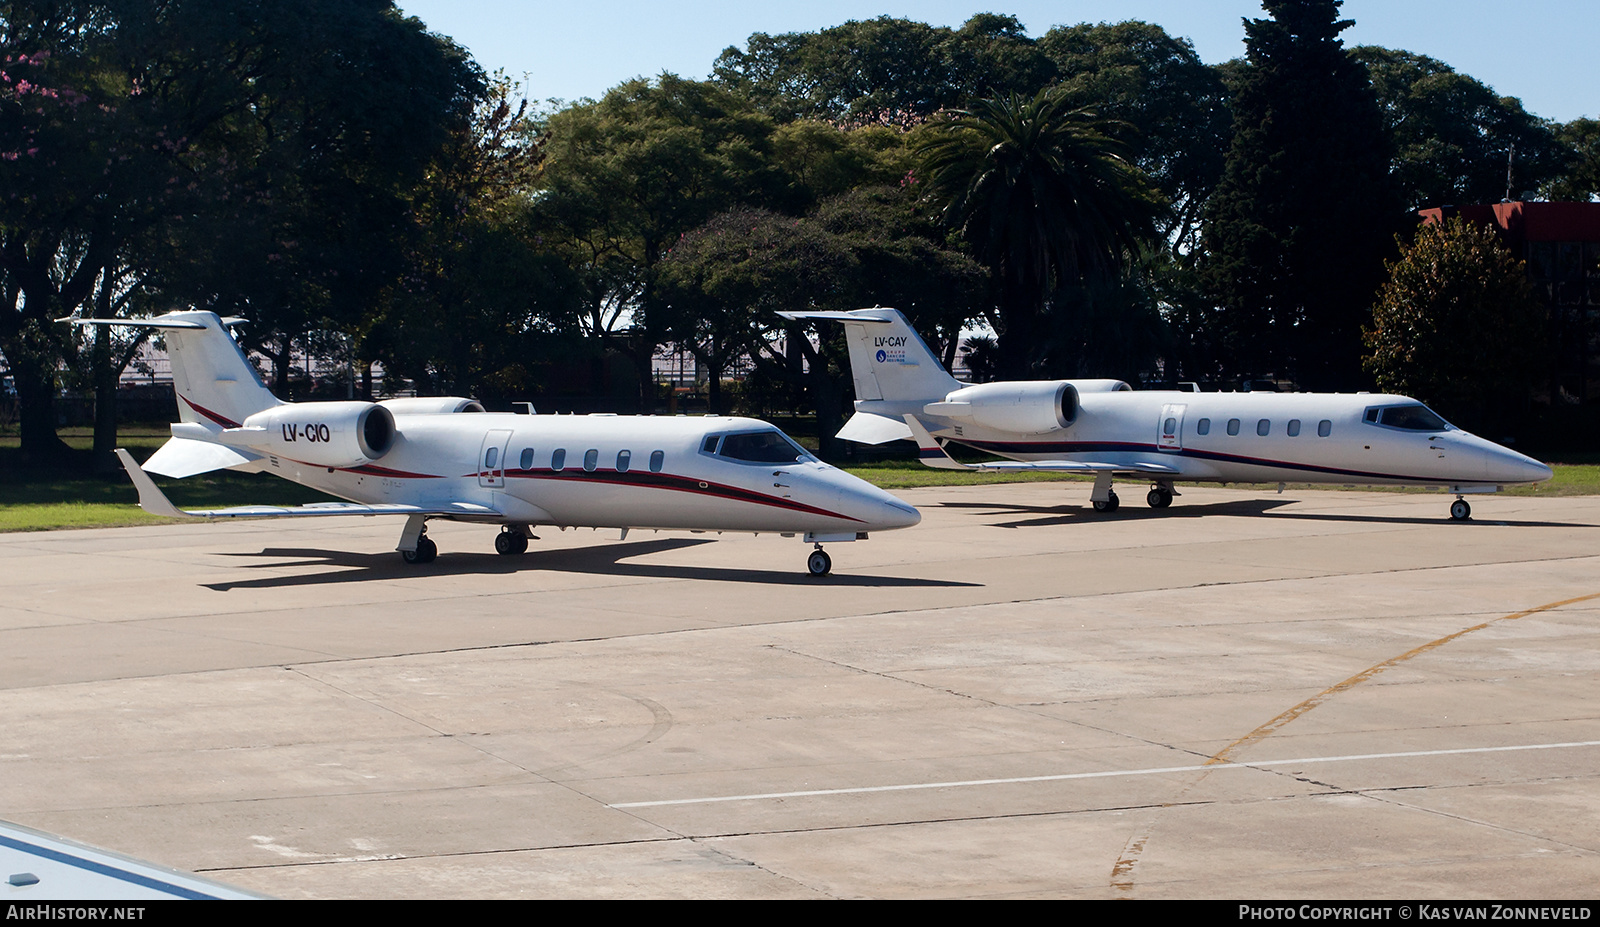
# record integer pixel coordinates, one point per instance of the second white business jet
(1107, 429)
(447, 458)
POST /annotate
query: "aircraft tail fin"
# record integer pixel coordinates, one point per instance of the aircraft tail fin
(888, 360)
(216, 384)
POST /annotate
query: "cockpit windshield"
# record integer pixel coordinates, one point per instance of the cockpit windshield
(765, 447)
(1411, 417)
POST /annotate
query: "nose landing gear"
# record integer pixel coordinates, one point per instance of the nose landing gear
(1460, 510)
(819, 563)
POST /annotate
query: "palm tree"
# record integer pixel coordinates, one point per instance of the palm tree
(1045, 194)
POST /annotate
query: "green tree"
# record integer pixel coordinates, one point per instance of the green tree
(1045, 195)
(1457, 325)
(884, 70)
(1296, 233)
(1580, 180)
(1175, 103)
(484, 304)
(1454, 140)
(626, 176)
(721, 287)
(221, 153)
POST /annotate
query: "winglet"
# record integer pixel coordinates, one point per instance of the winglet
(929, 451)
(151, 498)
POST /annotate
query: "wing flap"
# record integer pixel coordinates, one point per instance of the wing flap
(154, 501)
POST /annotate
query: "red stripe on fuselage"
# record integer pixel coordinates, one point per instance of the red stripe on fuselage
(642, 480)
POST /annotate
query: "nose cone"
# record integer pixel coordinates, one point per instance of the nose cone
(1503, 465)
(1510, 467)
(874, 508)
(896, 514)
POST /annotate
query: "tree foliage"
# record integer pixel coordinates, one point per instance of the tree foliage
(1454, 140)
(884, 70)
(1175, 104)
(1580, 181)
(1457, 324)
(1296, 232)
(222, 153)
(1044, 193)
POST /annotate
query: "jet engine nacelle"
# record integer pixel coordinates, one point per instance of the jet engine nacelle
(323, 434)
(431, 405)
(1027, 407)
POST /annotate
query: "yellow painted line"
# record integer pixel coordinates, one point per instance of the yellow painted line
(1225, 755)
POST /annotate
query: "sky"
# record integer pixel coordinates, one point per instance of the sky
(1541, 51)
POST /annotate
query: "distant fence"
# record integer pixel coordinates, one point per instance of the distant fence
(147, 403)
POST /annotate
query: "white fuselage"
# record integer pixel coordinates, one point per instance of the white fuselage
(1258, 437)
(602, 471)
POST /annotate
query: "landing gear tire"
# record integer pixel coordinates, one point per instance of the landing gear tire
(819, 563)
(1159, 498)
(510, 542)
(426, 552)
(1110, 505)
(1460, 510)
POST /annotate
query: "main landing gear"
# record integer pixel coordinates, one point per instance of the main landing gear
(511, 540)
(819, 563)
(426, 551)
(1460, 510)
(1160, 495)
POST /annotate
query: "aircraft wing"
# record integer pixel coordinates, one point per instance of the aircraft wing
(154, 501)
(932, 454)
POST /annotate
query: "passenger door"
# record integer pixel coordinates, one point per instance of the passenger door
(492, 459)
(1169, 431)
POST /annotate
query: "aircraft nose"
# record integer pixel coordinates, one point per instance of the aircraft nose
(897, 514)
(1508, 466)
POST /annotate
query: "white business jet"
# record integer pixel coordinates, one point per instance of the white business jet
(447, 458)
(1107, 429)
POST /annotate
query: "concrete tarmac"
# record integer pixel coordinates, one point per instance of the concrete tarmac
(1312, 695)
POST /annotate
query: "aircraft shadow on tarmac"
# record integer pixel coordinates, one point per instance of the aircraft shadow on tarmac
(1072, 514)
(601, 559)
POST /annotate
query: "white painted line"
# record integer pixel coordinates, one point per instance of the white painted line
(1100, 775)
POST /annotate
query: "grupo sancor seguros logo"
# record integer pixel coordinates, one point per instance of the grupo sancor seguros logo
(891, 349)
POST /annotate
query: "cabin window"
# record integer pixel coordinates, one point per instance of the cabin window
(766, 447)
(1324, 428)
(1264, 427)
(591, 459)
(657, 460)
(623, 458)
(709, 445)
(527, 458)
(1294, 428)
(558, 459)
(1233, 426)
(1203, 427)
(489, 458)
(1169, 427)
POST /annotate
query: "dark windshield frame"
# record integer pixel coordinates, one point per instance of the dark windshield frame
(1409, 416)
(762, 447)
